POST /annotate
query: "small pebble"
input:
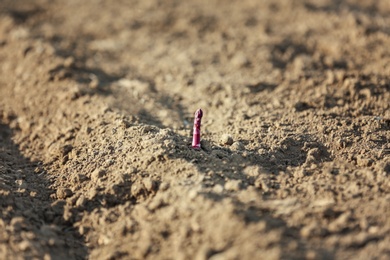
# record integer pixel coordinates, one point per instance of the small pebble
(63, 193)
(237, 146)
(164, 186)
(192, 193)
(80, 201)
(97, 174)
(69, 62)
(149, 184)
(82, 230)
(218, 188)
(24, 245)
(239, 60)
(233, 185)
(226, 139)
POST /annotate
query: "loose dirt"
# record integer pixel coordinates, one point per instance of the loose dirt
(96, 108)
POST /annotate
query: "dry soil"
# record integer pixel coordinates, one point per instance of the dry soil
(96, 108)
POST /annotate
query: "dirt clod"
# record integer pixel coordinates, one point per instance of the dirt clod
(233, 185)
(226, 139)
(63, 193)
(97, 174)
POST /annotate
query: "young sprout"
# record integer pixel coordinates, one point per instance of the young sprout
(196, 132)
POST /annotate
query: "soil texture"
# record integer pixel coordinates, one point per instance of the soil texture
(97, 102)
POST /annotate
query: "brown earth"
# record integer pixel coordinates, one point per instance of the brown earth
(96, 107)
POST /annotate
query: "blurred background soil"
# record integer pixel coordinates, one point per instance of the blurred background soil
(96, 108)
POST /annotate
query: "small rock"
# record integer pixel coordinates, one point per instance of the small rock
(80, 201)
(104, 240)
(24, 245)
(315, 153)
(69, 62)
(226, 139)
(237, 146)
(233, 185)
(97, 174)
(253, 170)
(311, 254)
(300, 173)
(218, 188)
(94, 83)
(63, 193)
(83, 230)
(149, 184)
(155, 204)
(137, 189)
(239, 60)
(164, 186)
(192, 193)
(373, 230)
(21, 183)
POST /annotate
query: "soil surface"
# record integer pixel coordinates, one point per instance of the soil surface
(97, 100)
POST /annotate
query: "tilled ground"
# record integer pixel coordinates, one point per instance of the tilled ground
(96, 108)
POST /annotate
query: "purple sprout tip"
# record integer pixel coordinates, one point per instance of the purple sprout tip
(199, 113)
(196, 132)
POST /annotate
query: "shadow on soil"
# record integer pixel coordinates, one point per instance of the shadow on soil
(26, 207)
